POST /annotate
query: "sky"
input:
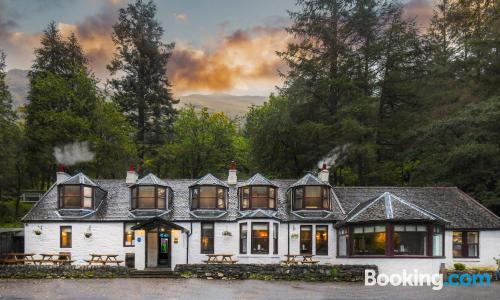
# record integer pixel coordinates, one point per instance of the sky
(222, 46)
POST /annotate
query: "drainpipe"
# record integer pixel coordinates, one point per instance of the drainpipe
(187, 242)
(288, 251)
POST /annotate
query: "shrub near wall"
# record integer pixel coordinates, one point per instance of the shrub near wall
(38, 272)
(275, 272)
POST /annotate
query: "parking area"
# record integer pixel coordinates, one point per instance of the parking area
(216, 289)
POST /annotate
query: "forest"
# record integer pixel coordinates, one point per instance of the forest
(379, 100)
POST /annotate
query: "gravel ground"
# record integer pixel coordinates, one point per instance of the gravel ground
(94, 289)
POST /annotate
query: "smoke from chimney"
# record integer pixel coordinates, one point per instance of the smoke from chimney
(71, 154)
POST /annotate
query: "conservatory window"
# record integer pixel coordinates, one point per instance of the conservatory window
(369, 240)
(410, 239)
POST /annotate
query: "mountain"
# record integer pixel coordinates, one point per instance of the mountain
(230, 104)
(17, 80)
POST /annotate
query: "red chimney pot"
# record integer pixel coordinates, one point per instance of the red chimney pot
(232, 166)
(324, 166)
(60, 168)
(132, 168)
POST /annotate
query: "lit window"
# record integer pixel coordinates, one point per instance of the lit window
(149, 197)
(258, 197)
(322, 240)
(465, 244)
(65, 237)
(260, 238)
(305, 239)
(207, 238)
(75, 196)
(369, 240)
(410, 239)
(208, 197)
(128, 235)
(312, 197)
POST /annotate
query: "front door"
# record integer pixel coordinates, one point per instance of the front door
(164, 247)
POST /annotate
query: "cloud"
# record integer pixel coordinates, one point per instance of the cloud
(244, 60)
(419, 10)
(181, 17)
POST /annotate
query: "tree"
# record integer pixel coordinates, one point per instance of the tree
(202, 143)
(62, 99)
(143, 92)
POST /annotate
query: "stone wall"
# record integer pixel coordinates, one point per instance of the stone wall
(275, 272)
(29, 271)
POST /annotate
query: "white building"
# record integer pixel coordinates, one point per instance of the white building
(161, 223)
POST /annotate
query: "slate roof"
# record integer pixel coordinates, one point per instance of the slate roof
(257, 179)
(210, 179)
(151, 179)
(80, 178)
(309, 179)
(388, 207)
(447, 203)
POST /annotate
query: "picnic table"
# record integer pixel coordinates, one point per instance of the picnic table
(19, 258)
(220, 259)
(291, 259)
(103, 259)
(62, 258)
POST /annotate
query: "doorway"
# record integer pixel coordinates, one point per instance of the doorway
(164, 248)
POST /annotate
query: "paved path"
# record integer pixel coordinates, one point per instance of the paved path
(214, 289)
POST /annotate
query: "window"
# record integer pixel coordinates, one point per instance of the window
(342, 241)
(243, 238)
(322, 240)
(207, 238)
(258, 197)
(260, 238)
(410, 239)
(465, 244)
(275, 238)
(65, 237)
(75, 196)
(369, 240)
(305, 239)
(149, 197)
(437, 241)
(312, 197)
(128, 235)
(208, 197)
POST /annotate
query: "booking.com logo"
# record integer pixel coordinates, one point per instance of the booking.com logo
(436, 281)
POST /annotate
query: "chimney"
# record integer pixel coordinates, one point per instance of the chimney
(324, 175)
(61, 175)
(131, 176)
(232, 178)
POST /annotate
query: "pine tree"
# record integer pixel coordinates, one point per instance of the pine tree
(144, 92)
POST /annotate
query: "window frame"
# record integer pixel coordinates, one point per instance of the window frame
(304, 197)
(125, 231)
(252, 238)
(70, 237)
(61, 195)
(327, 239)
(212, 236)
(241, 196)
(310, 241)
(197, 199)
(389, 250)
(135, 190)
(465, 243)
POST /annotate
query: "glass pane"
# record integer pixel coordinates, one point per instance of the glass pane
(71, 198)
(472, 237)
(207, 237)
(410, 243)
(411, 227)
(162, 196)
(65, 237)
(358, 229)
(298, 197)
(421, 228)
(128, 235)
(259, 191)
(87, 202)
(72, 190)
(306, 239)
(437, 244)
(457, 250)
(399, 228)
(342, 245)
(472, 250)
(379, 228)
(146, 197)
(260, 238)
(87, 191)
(312, 198)
(457, 237)
(369, 243)
(243, 238)
(271, 192)
(259, 226)
(208, 196)
(369, 229)
(321, 240)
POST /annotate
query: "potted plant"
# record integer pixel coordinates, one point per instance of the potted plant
(88, 233)
(497, 260)
(37, 230)
(227, 233)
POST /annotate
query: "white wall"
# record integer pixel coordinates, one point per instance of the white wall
(107, 238)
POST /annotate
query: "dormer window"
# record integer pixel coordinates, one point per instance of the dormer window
(149, 197)
(257, 197)
(76, 197)
(311, 197)
(208, 197)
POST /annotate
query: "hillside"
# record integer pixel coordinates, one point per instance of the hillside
(230, 104)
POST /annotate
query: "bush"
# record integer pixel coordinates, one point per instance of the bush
(459, 266)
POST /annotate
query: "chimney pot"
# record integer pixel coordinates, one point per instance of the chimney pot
(232, 178)
(132, 176)
(324, 174)
(61, 175)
